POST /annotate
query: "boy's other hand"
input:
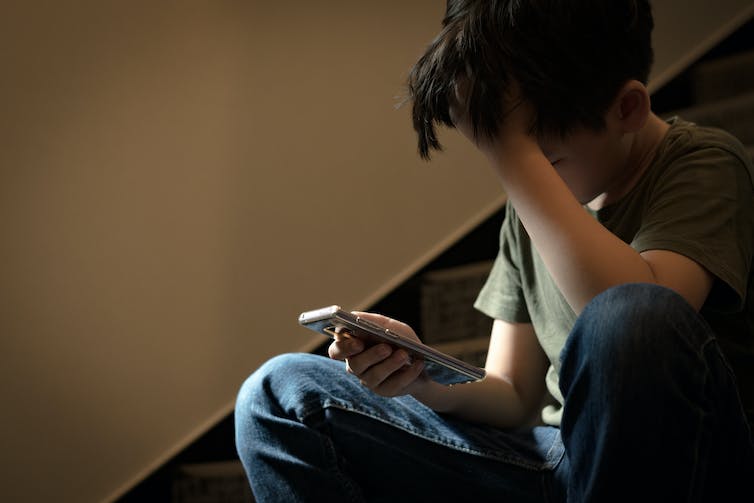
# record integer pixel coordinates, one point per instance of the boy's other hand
(514, 130)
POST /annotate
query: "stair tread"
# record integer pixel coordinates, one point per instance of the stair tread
(734, 114)
(721, 77)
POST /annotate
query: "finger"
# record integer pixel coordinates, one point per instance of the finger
(400, 381)
(378, 373)
(345, 348)
(361, 362)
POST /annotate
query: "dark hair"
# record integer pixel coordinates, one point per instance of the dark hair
(568, 58)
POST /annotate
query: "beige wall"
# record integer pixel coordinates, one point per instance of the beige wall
(178, 180)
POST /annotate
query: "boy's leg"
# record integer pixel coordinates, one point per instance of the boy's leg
(308, 431)
(652, 411)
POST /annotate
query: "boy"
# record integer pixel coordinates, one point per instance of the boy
(620, 294)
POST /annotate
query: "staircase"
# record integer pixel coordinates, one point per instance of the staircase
(717, 90)
(722, 90)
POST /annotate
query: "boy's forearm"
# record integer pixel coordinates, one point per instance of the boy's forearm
(583, 257)
(491, 401)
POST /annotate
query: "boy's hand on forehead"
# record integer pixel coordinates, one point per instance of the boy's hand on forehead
(514, 129)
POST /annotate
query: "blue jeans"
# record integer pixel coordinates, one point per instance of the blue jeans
(651, 414)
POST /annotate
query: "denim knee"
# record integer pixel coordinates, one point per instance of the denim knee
(258, 391)
(636, 324)
(285, 385)
(635, 334)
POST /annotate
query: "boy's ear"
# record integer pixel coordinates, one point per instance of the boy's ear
(632, 106)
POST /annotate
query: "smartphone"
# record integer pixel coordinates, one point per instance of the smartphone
(439, 366)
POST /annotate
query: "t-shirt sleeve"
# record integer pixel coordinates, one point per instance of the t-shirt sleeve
(502, 296)
(700, 208)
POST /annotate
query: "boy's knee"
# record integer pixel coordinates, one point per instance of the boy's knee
(631, 321)
(634, 304)
(259, 379)
(282, 382)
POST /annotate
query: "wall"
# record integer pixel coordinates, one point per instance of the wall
(178, 180)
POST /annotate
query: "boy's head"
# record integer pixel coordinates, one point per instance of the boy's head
(567, 58)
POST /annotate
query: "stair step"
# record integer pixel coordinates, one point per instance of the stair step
(211, 482)
(723, 77)
(735, 115)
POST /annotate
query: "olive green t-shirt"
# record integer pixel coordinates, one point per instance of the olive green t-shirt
(695, 199)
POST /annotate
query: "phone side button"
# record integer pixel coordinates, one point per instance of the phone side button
(368, 324)
(392, 335)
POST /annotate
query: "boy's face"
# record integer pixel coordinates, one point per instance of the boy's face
(589, 162)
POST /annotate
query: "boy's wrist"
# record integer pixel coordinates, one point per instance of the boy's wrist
(513, 150)
(434, 395)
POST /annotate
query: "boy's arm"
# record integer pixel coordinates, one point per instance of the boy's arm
(582, 256)
(511, 394)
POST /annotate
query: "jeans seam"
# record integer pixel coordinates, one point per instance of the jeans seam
(512, 460)
(353, 494)
(693, 487)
